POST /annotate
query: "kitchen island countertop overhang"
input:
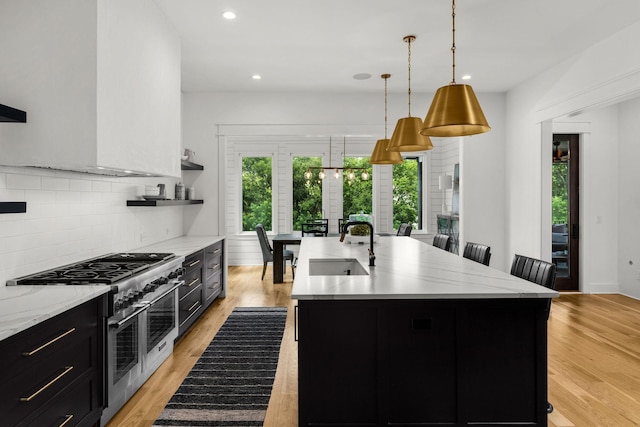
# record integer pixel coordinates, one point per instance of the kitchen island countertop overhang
(405, 269)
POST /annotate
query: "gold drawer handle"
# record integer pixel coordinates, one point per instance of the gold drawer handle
(196, 262)
(193, 306)
(32, 352)
(214, 267)
(66, 421)
(193, 283)
(67, 369)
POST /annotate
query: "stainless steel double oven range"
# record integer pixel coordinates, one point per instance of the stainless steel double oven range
(143, 314)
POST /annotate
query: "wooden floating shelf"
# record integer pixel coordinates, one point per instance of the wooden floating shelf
(13, 207)
(163, 202)
(188, 166)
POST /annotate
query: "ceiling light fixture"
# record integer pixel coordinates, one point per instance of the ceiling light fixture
(406, 136)
(336, 174)
(256, 77)
(229, 15)
(380, 155)
(455, 110)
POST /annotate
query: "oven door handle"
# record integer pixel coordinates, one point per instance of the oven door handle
(118, 324)
(175, 286)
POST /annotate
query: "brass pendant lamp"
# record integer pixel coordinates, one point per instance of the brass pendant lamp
(455, 110)
(406, 136)
(380, 155)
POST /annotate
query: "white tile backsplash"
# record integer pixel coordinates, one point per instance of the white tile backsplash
(75, 216)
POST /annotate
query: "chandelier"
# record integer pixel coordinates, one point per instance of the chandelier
(350, 171)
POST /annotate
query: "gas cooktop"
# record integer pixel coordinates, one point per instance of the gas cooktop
(107, 269)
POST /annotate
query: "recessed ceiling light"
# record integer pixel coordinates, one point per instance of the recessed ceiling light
(229, 15)
(466, 77)
(362, 76)
(256, 77)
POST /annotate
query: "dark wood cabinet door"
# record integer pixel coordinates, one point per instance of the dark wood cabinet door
(338, 374)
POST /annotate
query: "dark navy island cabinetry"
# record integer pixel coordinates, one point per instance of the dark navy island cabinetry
(423, 338)
(436, 363)
(53, 371)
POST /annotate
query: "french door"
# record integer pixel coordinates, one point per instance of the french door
(565, 229)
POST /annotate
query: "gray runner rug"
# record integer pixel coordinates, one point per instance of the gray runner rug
(231, 383)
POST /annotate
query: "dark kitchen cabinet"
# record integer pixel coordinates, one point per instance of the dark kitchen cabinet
(422, 362)
(190, 293)
(203, 283)
(213, 261)
(53, 371)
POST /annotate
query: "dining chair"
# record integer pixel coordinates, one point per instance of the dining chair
(404, 230)
(341, 223)
(267, 251)
(318, 227)
(477, 252)
(442, 241)
(539, 272)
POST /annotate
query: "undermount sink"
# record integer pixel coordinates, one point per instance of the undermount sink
(336, 267)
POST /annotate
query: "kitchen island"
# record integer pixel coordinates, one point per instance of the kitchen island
(425, 337)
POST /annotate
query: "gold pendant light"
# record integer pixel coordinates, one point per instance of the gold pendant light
(380, 155)
(406, 136)
(455, 110)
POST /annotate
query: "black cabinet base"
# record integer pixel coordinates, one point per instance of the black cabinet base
(429, 362)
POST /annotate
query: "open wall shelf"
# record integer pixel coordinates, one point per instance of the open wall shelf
(163, 202)
(13, 207)
(188, 166)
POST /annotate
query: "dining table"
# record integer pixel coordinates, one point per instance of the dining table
(279, 243)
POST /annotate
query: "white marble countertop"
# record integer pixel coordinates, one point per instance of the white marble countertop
(405, 269)
(181, 246)
(24, 306)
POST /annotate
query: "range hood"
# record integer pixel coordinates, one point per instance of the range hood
(9, 114)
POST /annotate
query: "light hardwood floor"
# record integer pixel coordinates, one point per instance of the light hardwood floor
(594, 357)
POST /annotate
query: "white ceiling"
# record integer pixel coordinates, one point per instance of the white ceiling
(304, 45)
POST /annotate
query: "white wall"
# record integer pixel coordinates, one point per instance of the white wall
(585, 83)
(629, 202)
(75, 216)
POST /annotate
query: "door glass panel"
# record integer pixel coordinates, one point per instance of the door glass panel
(560, 208)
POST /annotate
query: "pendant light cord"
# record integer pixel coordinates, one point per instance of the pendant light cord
(409, 39)
(385, 77)
(453, 45)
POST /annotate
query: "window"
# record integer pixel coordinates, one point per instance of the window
(256, 193)
(307, 194)
(407, 193)
(356, 193)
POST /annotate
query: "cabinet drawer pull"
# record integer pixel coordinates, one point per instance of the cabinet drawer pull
(67, 369)
(214, 285)
(215, 267)
(66, 421)
(193, 306)
(217, 250)
(193, 283)
(64, 334)
(196, 262)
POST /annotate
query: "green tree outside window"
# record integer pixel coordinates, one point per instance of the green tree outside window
(406, 189)
(357, 193)
(256, 193)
